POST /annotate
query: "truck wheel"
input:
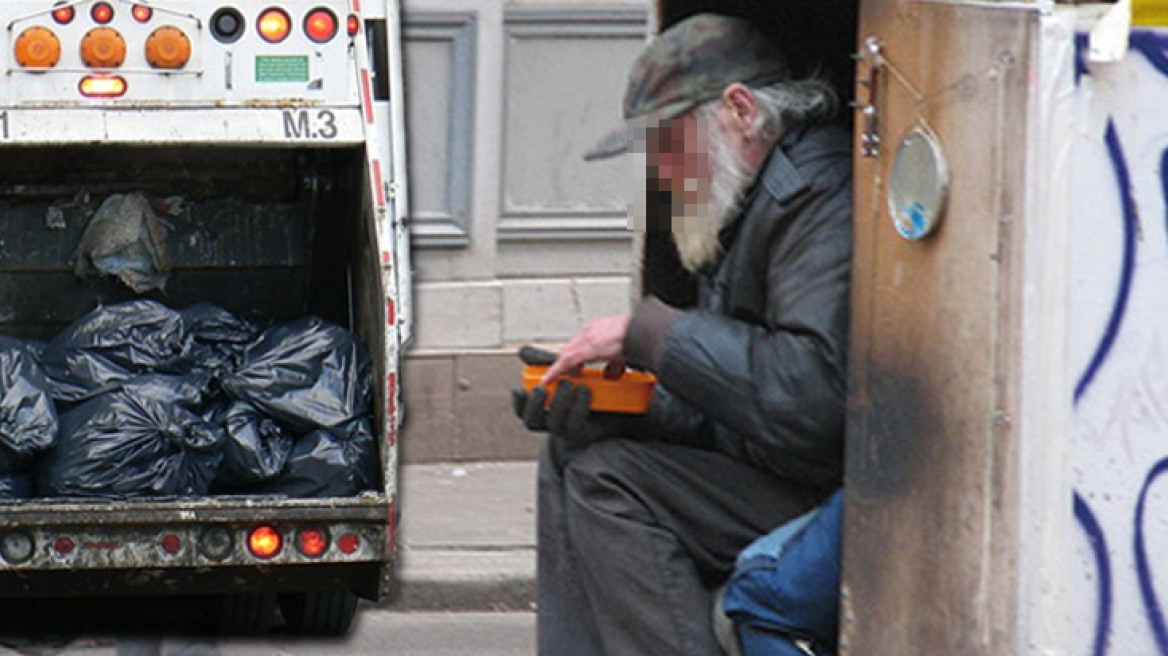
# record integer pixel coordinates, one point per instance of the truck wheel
(243, 614)
(319, 612)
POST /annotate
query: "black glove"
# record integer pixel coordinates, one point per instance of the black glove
(570, 417)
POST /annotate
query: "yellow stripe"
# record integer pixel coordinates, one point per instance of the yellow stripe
(1150, 13)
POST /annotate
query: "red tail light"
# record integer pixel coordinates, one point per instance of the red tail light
(102, 13)
(170, 543)
(142, 13)
(312, 542)
(348, 543)
(63, 15)
(320, 25)
(354, 25)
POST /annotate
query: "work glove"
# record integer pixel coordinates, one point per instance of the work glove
(569, 415)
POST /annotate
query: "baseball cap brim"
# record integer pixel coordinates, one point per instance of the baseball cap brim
(620, 140)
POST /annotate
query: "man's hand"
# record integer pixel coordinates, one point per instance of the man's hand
(599, 341)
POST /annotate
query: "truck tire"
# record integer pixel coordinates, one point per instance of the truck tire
(243, 614)
(319, 612)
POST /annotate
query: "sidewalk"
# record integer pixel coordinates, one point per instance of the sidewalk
(467, 537)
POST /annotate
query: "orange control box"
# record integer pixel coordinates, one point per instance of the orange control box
(628, 394)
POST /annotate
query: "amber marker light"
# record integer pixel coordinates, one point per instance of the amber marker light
(320, 25)
(63, 15)
(264, 542)
(354, 25)
(102, 13)
(168, 47)
(102, 86)
(37, 47)
(103, 47)
(274, 25)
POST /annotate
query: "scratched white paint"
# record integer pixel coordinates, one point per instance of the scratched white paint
(1118, 423)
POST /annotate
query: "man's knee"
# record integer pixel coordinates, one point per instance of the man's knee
(603, 479)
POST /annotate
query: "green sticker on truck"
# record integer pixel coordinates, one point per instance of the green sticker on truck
(281, 68)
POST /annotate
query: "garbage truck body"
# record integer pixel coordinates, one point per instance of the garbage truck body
(271, 134)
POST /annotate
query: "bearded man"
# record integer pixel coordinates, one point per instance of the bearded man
(641, 517)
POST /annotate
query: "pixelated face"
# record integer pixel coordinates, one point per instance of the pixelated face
(677, 153)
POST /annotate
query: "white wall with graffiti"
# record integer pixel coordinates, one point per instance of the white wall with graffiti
(1108, 592)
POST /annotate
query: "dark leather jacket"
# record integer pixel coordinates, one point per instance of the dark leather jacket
(757, 369)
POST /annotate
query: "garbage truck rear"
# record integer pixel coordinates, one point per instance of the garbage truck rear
(269, 138)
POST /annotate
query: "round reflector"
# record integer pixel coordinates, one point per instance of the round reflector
(274, 25)
(64, 545)
(16, 547)
(102, 13)
(264, 542)
(320, 25)
(216, 543)
(312, 542)
(170, 543)
(348, 543)
(354, 25)
(63, 15)
(227, 25)
(168, 47)
(142, 13)
(37, 47)
(103, 47)
(102, 86)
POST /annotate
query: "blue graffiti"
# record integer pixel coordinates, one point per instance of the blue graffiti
(1114, 322)
(1152, 46)
(1143, 570)
(1098, 542)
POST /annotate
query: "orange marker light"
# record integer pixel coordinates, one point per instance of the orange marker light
(354, 25)
(167, 47)
(102, 86)
(264, 542)
(320, 25)
(37, 47)
(103, 47)
(101, 13)
(274, 25)
(142, 13)
(63, 15)
(312, 542)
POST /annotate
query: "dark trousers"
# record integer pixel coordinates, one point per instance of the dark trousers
(634, 536)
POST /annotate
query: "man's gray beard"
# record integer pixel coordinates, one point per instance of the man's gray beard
(696, 227)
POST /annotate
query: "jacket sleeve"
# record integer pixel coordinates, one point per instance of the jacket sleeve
(772, 391)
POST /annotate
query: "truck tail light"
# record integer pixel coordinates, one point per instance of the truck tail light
(274, 25)
(354, 25)
(320, 25)
(141, 13)
(168, 47)
(227, 25)
(216, 543)
(264, 541)
(102, 13)
(102, 86)
(63, 15)
(171, 544)
(16, 547)
(348, 543)
(312, 542)
(64, 545)
(103, 47)
(38, 47)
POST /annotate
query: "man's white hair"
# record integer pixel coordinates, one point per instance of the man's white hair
(695, 229)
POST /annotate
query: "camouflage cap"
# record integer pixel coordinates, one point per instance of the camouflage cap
(690, 63)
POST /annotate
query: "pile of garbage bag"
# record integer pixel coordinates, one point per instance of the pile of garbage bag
(138, 399)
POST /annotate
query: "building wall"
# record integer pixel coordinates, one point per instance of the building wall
(515, 238)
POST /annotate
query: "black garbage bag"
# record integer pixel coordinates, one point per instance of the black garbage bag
(256, 447)
(340, 462)
(16, 485)
(141, 440)
(110, 345)
(28, 420)
(307, 373)
(216, 339)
